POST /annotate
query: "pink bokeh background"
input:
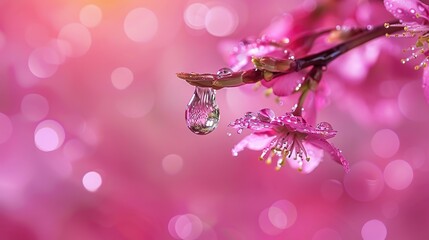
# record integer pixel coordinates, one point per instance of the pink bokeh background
(93, 143)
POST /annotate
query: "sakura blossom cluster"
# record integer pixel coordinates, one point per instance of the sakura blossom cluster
(291, 60)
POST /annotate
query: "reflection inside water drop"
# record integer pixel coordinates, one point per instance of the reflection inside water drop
(202, 113)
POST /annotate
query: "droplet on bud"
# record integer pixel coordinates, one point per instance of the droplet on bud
(202, 113)
(224, 72)
(324, 126)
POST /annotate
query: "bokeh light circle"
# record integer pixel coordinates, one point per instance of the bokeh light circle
(221, 21)
(90, 15)
(49, 136)
(122, 78)
(92, 181)
(43, 62)
(172, 164)
(141, 25)
(279, 216)
(6, 128)
(412, 102)
(374, 230)
(385, 143)
(195, 15)
(34, 107)
(185, 227)
(364, 182)
(74, 40)
(398, 174)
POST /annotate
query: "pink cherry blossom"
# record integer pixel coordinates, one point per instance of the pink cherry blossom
(287, 138)
(414, 18)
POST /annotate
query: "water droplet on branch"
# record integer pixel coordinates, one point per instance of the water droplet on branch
(224, 72)
(202, 113)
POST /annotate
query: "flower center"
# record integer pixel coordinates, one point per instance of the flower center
(287, 145)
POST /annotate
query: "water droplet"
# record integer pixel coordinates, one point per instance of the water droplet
(228, 134)
(224, 72)
(234, 153)
(240, 130)
(412, 11)
(202, 113)
(399, 10)
(324, 126)
(266, 115)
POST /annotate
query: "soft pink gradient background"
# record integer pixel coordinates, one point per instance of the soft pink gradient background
(127, 136)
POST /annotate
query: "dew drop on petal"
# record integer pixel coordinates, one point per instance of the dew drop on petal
(324, 126)
(266, 115)
(374, 230)
(92, 181)
(202, 113)
(398, 174)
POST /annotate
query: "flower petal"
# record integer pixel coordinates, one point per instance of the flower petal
(254, 141)
(406, 10)
(284, 85)
(333, 151)
(315, 154)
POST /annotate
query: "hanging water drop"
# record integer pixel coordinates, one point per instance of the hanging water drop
(202, 113)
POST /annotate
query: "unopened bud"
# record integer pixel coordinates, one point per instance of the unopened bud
(272, 64)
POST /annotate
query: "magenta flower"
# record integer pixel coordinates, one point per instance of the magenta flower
(414, 18)
(287, 138)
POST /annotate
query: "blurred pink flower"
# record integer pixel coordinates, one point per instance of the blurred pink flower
(287, 137)
(414, 17)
